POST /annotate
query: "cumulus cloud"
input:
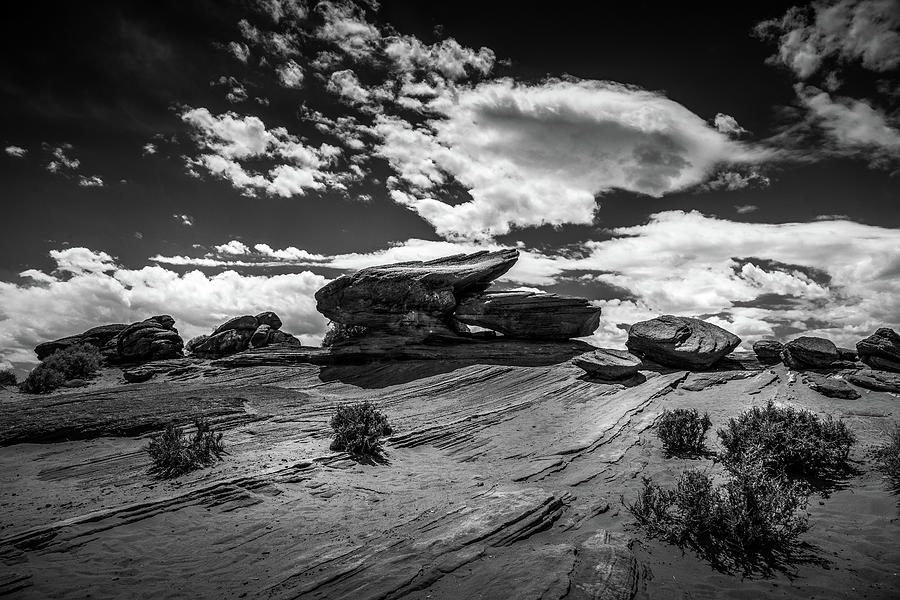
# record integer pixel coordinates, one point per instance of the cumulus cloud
(736, 180)
(240, 51)
(61, 161)
(345, 25)
(90, 181)
(15, 151)
(149, 149)
(346, 85)
(186, 220)
(290, 74)
(94, 291)
(851, 123)
(728, 125)
(447, 57)
(539, 154)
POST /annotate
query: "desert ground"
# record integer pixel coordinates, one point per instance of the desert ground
(503, 479)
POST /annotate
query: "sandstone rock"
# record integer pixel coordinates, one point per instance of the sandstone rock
(194, 342)
(74, 383)
(137, 375)
(260, 337)
(831, 387)
(152, 339)
(807, 352)
(243, 323)
(222, 343)
(768, 351)
(529, 315)
(608, 363)
(412, 299)
(681, 342)
(847, 355)
(280, 337)
(269, 318)
(96, 336)
(880, 381)
(881, 350)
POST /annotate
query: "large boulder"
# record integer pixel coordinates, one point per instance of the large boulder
(239, 334)
(413, 299)
(260, 337)
(96, 336)
(529, 315)
(242, 323)
(269, 318)
(768, 351)
(609, 363)
(881, 350)
(808, 352)
(681, 342)
(220, 344)
(153, 339)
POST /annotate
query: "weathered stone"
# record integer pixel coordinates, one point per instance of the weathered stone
(260, 337)
(808, 352)
(137, 375)
(768, 351)
(831, 386)
(269, 318)
(847, 355)
(280, 337)
(681, 342)
(608, 363)
(529, 315)
(880, 381)
(96, 336)
(881, 350)
(222, 343)
(194, 342)
(242, 323)
(152, 339)
(413, 299)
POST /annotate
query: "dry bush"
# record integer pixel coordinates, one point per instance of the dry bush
(887, 458)
(358, 429)
(174, 454)
(682, 432)
(75, 362)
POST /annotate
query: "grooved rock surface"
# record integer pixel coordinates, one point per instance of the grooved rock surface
(808, 352)
(608, 363)
(681, 342)
(529, 315)
(881, 350)
(768, 351)
(412, 298)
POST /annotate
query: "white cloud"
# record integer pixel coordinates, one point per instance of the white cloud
(346, 85)
(90, 181)
(283, 9)
(240, 51)
(82, 260)
(149, 149)
(728, 125)
(290, 74)
(48, 307)
(15, 151)
(186, 220)
(346, 26)
(233, 248)
(61, 161)
(735, 180)
(539, 154)
(864, 31)
(446, 57)
(849, 122)
(744, 209)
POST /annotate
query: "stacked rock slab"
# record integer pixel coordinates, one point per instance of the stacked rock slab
(609, 363)
(681, 342)
(768, 351)
(881, 350)
(413, 302)
(808, 352)
(152, 339)
(240, 333)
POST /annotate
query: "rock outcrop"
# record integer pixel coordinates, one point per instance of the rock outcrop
(608, 363)
(831, 387)
(768, 351)
(881, 350)
(681, 342)
(239, 334)
(415, 302)
(152, 339)
(529, 315)
(807, 352)
(879, 381)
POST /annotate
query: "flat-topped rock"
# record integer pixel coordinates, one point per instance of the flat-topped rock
(768, 351)
(608, 363)
(412, 298)
(681, 342)
(881, 350)
(529, 315)
(807, 352)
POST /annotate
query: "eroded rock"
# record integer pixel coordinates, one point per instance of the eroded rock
(808, 352)
(831, 386)
(96, 336)
(768, 351)
(881, 350)
(153, 339)
(681, 342)
(609, 363)
(880, 381)
(239, 334)
(529, 315)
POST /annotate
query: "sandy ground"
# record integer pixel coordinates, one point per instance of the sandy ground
(502, 481)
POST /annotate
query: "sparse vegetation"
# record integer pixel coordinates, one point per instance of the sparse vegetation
(76, 362)
(683, 431)
(7, 377)
(358, 429)
(786, 440)
(174, 454)
(338, 332)
(751, 523)
(887, 458)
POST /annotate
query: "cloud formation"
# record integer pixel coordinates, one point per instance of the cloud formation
(15, 151)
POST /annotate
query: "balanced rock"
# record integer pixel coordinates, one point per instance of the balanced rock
(269, 318)
(881, 350)
(808, 352)
(411, 299)
(831, 387)
(529, 315)
(153, 339)
(768, 351)
(608, 363)
(879, 381)
(681, 342)
(280, 337)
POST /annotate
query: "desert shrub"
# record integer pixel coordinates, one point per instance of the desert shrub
(338, 332)
(682, 431)
(358, 429)
(75, 362)
(887, 458)
(786, 440)
(751, 523)
(7, 377)
(174, 454)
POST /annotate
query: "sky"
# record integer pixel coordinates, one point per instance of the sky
(210, 159)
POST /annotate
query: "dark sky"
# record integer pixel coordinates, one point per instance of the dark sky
(100, 80)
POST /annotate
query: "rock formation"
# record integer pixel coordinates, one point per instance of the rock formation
(768, 351)
(831, 387)
(808, 352)
(409, 303)
(152, 339)
(240, 333)
(609, 363)
(881, 350)
(681, 342)
(879, 381)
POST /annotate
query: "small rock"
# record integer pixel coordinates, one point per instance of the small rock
(137, 375)
(768, 351)
(608, 363)
(831, 387)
